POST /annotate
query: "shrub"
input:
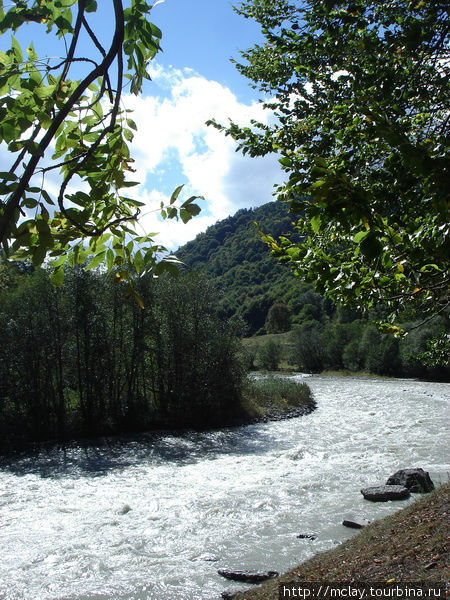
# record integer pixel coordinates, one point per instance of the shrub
(270, 355)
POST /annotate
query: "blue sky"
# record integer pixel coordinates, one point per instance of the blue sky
(204, 35)
(192, 80)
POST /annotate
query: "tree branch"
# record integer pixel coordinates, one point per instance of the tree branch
(114, 51)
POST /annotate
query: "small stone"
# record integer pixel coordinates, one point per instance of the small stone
(355, 522)
(307, 536)
(125, 509)
(229, 595)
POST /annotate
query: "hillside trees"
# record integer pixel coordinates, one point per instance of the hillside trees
(63, 124)
(278, 318)
(250, 280)
(360, 94)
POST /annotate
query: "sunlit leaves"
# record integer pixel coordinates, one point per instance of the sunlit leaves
(53, 123)
(361, 130)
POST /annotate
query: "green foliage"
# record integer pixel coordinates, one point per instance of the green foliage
(278, 318)
(270, 355)
(200, 374)
(359, 346)
(85, 360)
(248, 288)
(436, 352)
(77, 128)
(425, 347)
(308, 348)
(360, 92)
(232, 253)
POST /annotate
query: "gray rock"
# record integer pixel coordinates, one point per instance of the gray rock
(383, 493)
(247, 576)
(355, 522)
(307, 536)
(417, 481)
(124, 510)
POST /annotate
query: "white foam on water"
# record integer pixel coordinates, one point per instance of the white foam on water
(240, 496)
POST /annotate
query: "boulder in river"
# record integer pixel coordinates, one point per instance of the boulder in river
(355, 522)
(417, 481)
(383, 493)
(307, 536)
(247, 576)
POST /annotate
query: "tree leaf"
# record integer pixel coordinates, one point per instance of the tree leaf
(96, 260)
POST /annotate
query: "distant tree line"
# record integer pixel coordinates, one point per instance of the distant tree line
(345, 341)
(264, 298)
(85, 360)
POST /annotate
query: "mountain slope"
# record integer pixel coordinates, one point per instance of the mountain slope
(328, 337)
(250, 280)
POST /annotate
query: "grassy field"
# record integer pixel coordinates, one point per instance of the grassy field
(409, 546)
(256, 341)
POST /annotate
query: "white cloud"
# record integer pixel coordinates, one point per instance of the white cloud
(173, 145)
(171, 233)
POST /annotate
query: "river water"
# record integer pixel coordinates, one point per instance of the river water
(154, 517)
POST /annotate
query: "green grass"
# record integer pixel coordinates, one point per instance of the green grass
(256, 341)
(274, 397)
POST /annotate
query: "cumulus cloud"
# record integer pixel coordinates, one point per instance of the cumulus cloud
(173, 145)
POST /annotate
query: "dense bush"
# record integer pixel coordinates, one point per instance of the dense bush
(308, 348)
(86, 360)
(358, 346)
(269, 355)
(278, 318)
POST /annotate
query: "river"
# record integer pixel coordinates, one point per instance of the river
(155, 516)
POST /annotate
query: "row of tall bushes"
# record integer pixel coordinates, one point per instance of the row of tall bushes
(86, 360)
(348, 346)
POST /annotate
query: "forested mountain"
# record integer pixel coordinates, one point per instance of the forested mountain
(266, 297)
(249, 279)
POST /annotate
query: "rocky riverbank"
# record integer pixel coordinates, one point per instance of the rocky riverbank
(409, 546)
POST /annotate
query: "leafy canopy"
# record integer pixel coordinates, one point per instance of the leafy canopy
(359, 90)
(51, 122)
